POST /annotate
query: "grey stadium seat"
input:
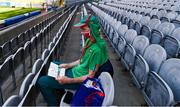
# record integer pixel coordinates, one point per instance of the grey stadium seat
(169, 71)
(140, 71)
(45, 54)
(14, 44)
(128, 58)
(13, 100)
(156, 36)
(144, 20)
(154, 55)
(146, 31)
(25, 85)
(154, 23)
(166, 28)
(122, 30)
(37, 66)
(157, 92)
(130, 35)
(171, 45)
(176, 33)
(121, 46)
(140, 43)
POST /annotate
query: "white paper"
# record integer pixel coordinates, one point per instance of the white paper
(54, 70)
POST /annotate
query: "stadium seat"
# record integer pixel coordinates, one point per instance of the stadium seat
(154, 55)
(137, 27)
(45, 54)
(154, 23)
(13, 100)
(37, 66)
(14, 44)
(34, 47)
(28, 51)
(140, 43)
(140, 71)
(122, 30)
(5, 72)
(21, 39)
(171, 45)
(169, 71)
(157, 92)
(156, 36)
(121, 46)
(25, 85)
(166, 28)
(146, 31)
(18, 60)
(51, 45)
(176, 33)
(130, 35)
(144, 20)
(129, 56)
(6, 50)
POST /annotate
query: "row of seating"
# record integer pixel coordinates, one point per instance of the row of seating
(147, 63)
(10, 47)
(28, 91)
(20, 62)
(168, 5)
(164, 33)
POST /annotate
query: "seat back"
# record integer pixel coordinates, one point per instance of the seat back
(144, 20)
(157, 92)
(45, 54)
(13, 100)
(166, 28)
(108, 86)
(140, 43)
(154, 23)
(25, 85)
(140, 71)
(156, 36)
(122, 30)
(130, 35)
(154, 55)
(176, 33)
(169, 71)
(37, 66)
(146, 31)
(171, 45)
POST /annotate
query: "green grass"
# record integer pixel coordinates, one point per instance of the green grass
(17, 11)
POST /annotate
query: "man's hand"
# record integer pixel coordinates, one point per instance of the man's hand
(64, 66)
(63, 79)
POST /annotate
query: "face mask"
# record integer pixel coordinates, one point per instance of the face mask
(86, 34)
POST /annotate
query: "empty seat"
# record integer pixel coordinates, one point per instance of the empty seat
(21, 39)
(130, 35)
(166, 28)
(154, 55)
(140, 43)
(144, 20)
(146, 31)
(129, 56)
(156, 36)
(169, 71)
(171, 45)
(122, 30)
(121, 46)
(171, 15)
(6, 72)
(25, 85)
(176, 33)
(154, 23)
(45, 54)
(157, 92)
(14, 100)
(51, 45)
(140, 71)
(137, 27)
(37, 66)
(14, 44)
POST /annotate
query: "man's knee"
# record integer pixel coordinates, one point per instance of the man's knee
(43, 81)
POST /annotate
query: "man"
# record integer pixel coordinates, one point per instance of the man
(93, 56)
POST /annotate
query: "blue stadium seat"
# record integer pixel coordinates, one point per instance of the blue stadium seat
(157, 92)
(169, 71)
(137, 27)
(140, 43)
(176, 33)
(154, 55)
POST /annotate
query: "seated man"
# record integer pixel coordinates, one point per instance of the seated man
(91, 59)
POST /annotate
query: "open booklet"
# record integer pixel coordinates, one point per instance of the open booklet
(54, 70)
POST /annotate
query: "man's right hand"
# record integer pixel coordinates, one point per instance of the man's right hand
(64, 66)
